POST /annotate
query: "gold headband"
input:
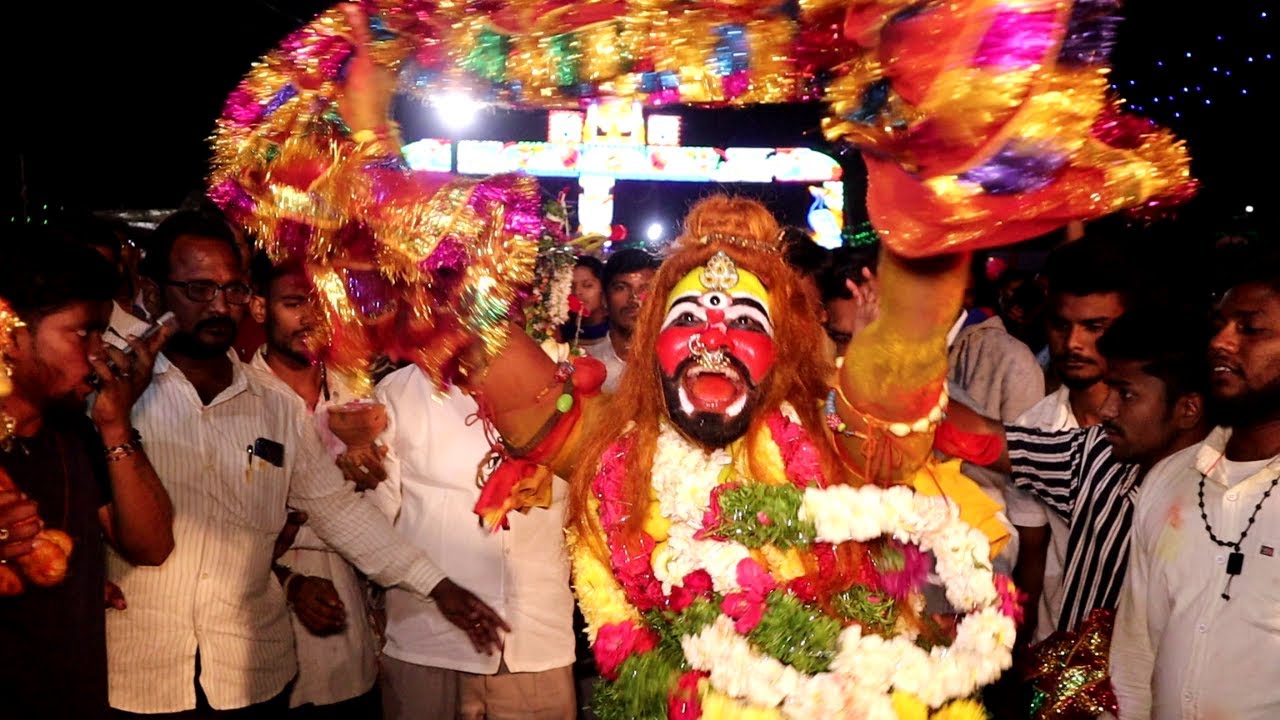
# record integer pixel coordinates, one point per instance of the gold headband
(739, 241)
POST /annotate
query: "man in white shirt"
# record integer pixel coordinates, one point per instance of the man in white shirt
(430, 669)
(627, 275)
(209, 629)
(337, 659)
(1088, 279)
(1197, 633)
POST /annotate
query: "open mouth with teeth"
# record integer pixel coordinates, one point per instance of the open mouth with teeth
(720, 390)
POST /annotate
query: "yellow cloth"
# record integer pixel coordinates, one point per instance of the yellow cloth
(976, 508)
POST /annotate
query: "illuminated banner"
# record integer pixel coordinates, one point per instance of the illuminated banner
(638, 162)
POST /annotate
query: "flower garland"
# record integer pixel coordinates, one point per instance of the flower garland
(551, 297)
(699, 614)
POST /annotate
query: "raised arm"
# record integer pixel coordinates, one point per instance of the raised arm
(894, 372)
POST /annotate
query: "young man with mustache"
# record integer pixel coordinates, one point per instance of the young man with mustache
(87, 476)
(208, 630)
(337, 656)
(1088, 283)
(627, 275)
(1089, 477)
(1197, 633)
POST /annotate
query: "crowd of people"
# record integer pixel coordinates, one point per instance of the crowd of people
(234, 558)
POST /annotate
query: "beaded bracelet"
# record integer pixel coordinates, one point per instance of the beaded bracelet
(124, 450)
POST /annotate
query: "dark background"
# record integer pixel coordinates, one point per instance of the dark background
(110, 105)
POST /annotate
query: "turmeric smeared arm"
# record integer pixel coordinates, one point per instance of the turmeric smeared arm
(895, 370)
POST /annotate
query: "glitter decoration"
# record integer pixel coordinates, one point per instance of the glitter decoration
(9, 322)
(983, 122)
(980, 122)
(1070, 673)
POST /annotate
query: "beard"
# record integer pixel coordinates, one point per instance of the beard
(711, 430)
(1247, 408)
(190, 344)
(294, 348)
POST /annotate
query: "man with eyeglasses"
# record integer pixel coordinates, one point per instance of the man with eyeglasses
(209, 630)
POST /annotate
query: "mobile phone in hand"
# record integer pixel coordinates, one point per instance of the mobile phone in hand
(166, 320)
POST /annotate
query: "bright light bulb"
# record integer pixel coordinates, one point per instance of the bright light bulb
(457, 110)
(1248, 208)
(655, 232)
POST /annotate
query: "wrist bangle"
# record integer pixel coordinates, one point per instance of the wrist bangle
(124, 450)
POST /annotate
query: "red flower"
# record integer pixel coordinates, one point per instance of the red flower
(799, 455)
(804, 589)
(696, 584)
(747, 607)
(1011, 598)
(755, 579)
(746, 610)
(616, 642)
(683, 703)
(713, 518)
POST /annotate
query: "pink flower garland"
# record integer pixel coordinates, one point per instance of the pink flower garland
(799, 454)
(746, 606)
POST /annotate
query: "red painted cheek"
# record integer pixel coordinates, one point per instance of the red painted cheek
(755, 350)
(673, 348)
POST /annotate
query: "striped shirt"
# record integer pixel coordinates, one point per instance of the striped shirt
(1074, 474)
(216, 592)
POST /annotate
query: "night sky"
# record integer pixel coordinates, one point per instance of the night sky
(113, 102)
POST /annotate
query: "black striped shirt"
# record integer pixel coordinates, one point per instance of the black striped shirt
(1072, 472)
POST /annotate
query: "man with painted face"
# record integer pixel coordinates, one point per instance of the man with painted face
(728, 384)
(715, 349)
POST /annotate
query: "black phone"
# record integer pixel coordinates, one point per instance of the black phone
(269, 450)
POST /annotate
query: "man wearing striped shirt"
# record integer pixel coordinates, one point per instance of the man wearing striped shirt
(208, 630)
(1089, 476)
(1088, 281)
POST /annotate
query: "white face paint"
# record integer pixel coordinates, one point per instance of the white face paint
(728, 311)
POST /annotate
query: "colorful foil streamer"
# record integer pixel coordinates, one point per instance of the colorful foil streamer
(989, 121)
(983, 122)
(1070, 673)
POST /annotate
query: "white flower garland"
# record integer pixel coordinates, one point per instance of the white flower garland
(867, 669)
(561, 287)
(683, 477)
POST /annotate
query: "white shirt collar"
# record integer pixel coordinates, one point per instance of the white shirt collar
(1213, 450)
(956, 328)
(241, 379)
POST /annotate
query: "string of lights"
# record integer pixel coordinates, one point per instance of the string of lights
(1220, 69)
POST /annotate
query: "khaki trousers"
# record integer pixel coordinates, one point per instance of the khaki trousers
(418, 692)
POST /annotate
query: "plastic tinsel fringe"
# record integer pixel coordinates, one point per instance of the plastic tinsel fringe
(987, 122)
(408, 264)
(1070, 672)
(983, 122)
(9, 322)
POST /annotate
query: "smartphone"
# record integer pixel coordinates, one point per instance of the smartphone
(166, 320)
